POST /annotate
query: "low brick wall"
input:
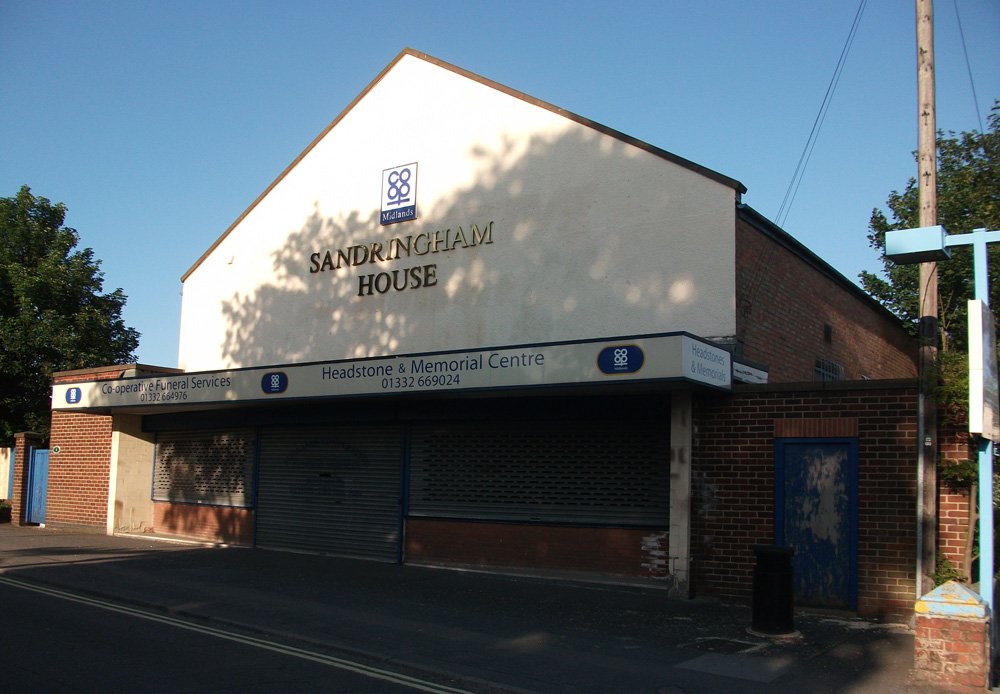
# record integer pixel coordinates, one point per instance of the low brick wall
(619, 551)
(220, 524)
(952, 653)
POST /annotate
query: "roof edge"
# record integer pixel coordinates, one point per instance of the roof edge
(765, 225)
(617, 134)
(611, 132)
(295, 162)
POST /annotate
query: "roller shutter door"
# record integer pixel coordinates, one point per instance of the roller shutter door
(205, 467)
(613, 473)
(331, 489)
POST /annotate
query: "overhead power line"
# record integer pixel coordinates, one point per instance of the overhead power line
(968, 67)
(800, 168)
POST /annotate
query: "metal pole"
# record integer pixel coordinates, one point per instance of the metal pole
(980, 269)
(928, 298)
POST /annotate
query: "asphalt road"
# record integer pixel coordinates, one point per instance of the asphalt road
(447, 629)
(66, 642)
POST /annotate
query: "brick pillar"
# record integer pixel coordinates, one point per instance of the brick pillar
(23, 443)
(952, 640)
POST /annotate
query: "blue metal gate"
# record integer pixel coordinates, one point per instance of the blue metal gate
(816, 512)
(38, 480)
(10, 474)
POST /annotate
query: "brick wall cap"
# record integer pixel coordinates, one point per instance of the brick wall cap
(124, 369)
(826, 386)
(951, 600)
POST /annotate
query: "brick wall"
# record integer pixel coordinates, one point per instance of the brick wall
(733, 482)
(80, 471)
(951, 654)
(954, 444)
(23, 443)
(211, 523)
(784, 302)
(620, 551)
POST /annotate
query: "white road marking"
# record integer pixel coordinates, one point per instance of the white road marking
(332, 661)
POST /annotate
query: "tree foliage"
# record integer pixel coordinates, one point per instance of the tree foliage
(53, 314)
(968, 198)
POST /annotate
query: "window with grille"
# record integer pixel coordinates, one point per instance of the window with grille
(205, 468)
(827, 370)
(576, 472)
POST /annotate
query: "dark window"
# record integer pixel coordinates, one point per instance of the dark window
(613, 473)
(827, 370)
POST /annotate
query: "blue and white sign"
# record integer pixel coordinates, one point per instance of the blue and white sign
(399, 194)
(274, 383)
(620, 359)
(706, 363)
(665, 357)
(984, 396)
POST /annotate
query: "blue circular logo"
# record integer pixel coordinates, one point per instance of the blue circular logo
(273, 383)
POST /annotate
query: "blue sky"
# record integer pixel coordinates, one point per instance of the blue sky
(158, 123)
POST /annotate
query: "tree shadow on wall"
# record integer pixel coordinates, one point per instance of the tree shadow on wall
(209, 486)
(564, 263)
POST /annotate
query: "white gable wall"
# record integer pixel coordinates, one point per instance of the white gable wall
(591, 236)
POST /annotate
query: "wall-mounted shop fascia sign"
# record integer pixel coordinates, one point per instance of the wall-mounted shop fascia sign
(671, 357)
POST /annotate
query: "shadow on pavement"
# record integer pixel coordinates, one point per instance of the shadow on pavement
(518, 632)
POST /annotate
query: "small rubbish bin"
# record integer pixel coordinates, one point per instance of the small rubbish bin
(773, 590)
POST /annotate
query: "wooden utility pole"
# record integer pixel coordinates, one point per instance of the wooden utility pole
(928, 296)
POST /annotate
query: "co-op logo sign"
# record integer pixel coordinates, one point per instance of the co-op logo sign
(620, 359)
(399, 194)
(274, 383)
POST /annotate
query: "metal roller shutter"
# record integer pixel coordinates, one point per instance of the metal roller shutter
(589, 472)
(331, 489)
(205, 467)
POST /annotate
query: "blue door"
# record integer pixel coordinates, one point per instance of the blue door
(816, 511)
(38, 480)
(10, 476)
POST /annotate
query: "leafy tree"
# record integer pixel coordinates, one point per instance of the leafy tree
(968, 183)
(968, 198)
(53, 316)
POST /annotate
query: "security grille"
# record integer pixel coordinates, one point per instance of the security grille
(827, 370)
(205, 467)
(589, 472)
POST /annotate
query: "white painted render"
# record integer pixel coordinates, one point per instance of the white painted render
(130, 506)
(6, 465)
(591, 236)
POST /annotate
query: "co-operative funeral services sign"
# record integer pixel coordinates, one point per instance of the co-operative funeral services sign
(675, 356)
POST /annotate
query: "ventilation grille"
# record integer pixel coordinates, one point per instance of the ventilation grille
(553, 472)
(205, 468)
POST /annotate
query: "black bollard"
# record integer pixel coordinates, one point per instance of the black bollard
(773, 590)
